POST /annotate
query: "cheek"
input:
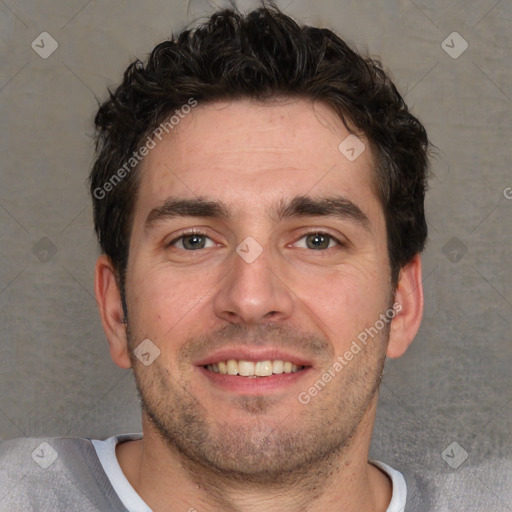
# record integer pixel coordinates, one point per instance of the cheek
(346, 302)
(162, 298)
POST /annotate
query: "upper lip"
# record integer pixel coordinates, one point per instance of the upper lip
(252, 354)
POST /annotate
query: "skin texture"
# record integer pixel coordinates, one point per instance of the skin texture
(215, 449)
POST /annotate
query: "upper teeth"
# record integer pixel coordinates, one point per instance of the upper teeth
(250, 368)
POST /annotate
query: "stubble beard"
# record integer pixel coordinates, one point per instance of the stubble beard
(307, 441)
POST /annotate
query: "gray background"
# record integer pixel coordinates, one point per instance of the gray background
(453, 385)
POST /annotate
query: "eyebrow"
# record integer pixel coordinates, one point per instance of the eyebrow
(199, 207)
(339, 207)
(301, 206)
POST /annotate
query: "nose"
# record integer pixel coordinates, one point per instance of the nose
(253, 292)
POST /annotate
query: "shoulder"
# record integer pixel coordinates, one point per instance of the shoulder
(478, 486)
(40, 457)
(46, 474)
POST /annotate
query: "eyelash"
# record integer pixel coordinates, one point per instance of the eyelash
(201, 233)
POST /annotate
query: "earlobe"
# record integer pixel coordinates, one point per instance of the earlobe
(110, 307)
(409, 296)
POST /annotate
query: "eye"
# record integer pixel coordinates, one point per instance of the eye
(192, 241)
(319, 241)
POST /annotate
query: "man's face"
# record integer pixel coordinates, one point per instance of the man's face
(274, 272)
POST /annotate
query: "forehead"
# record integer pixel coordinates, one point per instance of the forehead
(249, 154)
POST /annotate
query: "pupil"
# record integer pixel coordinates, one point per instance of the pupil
(194, 241)
(319, 241)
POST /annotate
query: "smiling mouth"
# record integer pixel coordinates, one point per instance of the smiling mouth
(253, 368)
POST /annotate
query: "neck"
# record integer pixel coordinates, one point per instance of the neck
(167, 482)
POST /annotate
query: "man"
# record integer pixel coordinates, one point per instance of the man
(258, 196)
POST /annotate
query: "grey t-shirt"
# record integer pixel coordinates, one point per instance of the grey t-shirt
(65, 474)
(53, 475)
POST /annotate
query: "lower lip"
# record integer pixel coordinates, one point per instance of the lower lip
(253, 385)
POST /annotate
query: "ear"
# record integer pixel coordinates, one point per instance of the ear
(409, 300)
(108, 297)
